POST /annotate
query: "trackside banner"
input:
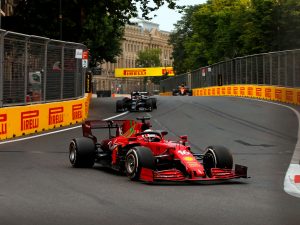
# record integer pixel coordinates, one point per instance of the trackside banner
(23, 120)
(144, 72)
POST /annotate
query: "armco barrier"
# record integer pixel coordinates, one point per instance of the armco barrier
(22, 120)
(273, 93)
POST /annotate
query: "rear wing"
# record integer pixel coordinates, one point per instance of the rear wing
(89, 125)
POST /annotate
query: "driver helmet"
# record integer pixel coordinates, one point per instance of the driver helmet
(151, 137)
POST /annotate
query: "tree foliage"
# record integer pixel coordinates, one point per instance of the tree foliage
(223, 29)
(149, 58)
(98, 24)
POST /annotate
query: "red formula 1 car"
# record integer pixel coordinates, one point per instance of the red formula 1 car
(146, 155)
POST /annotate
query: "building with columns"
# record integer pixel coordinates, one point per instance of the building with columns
(139, 36)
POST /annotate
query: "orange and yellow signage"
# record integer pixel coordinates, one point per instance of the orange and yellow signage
(144, 72)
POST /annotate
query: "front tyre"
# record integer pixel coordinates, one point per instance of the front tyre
(136, 158)
(82, 152)
(217, 157)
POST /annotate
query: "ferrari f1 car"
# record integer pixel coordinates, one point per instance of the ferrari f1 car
(139, 101)
(182, 90)
(146, 155)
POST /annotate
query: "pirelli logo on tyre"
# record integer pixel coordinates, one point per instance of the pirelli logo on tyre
(3, 124)
(56, 115)
(29, 120)
(77, 111)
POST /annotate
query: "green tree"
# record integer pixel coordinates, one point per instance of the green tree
(149, 58)
(98, 24)
(183, 31)
(223, 29)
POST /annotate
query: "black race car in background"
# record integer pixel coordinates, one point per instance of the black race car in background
(139, 101)
(182, 90)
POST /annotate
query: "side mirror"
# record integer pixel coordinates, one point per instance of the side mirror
(164, 133)
(184, 139)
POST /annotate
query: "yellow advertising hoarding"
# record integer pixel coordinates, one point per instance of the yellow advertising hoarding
(144, 72)
(21, 120)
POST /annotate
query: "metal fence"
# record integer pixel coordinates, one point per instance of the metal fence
(274, 68)
(36, 69)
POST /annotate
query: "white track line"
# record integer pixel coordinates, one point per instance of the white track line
(54, 132)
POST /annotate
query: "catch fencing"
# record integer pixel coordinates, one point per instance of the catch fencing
(36, 69)
(273, 68)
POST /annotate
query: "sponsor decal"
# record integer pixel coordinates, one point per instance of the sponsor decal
(297, 179)
(135, 72)
(77, 111)
(30, 120)
(188, 158)
(3, 124)
(298, 97)
(258, 92)
(250, 91)
(86, 108)
(56, 115)
(218, 91)
(184, 152)
(268, 92)
(208, 91)
(223, 91)
(242, 90)
(213, 91)
(193, 164)
(289, 95)
(278, 94)
(229, 90)
(167, 71)
(235, 90)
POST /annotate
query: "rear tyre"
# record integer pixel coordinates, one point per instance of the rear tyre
(154, 106)
(217, 157)
(148, 105)
(120, 106)
(136, 158)
(82, 152)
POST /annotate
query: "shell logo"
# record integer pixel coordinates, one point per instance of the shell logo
(188, 158)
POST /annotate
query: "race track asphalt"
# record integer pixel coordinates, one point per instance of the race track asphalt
(38, 185)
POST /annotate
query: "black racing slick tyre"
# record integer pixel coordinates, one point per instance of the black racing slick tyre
(154, 106)
(217, 157)
(82, 152)
(148, 105)
(120, 106)
(136, 158)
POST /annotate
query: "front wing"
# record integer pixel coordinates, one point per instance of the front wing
(217, 175)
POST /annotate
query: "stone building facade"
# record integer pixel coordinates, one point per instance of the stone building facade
(139, 36)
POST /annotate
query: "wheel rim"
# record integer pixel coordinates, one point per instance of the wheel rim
(72, 154)
(130, 163)
(209, 162)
